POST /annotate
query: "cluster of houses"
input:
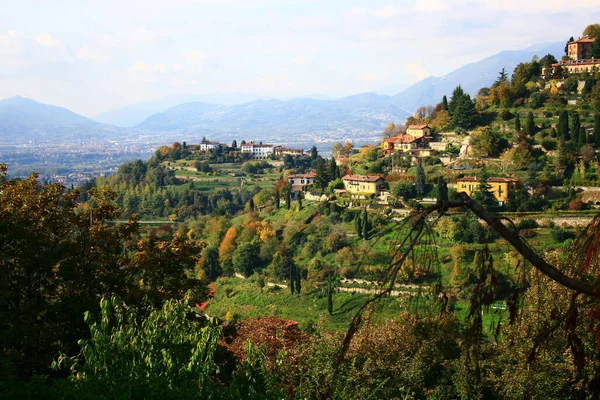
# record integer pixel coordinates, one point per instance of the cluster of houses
(259, 151)
(578, 60)
(417, 141)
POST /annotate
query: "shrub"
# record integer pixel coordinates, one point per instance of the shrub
(527, 224)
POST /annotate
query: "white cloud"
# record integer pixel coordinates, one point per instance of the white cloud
(540, 6)
(194, 55)
(431, 5)
(141, 67)
(416, 72)
(87, 53)
(301, 60)
(386, 12)
(46, 39)
(162, 68)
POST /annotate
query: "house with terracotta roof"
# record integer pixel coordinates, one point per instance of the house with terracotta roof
(282, 151)
(417, 131)
(578, 61)
(206, 145)
(403, 142)
(500, 187)
(364, 184)
(300, 181)
(578, 49)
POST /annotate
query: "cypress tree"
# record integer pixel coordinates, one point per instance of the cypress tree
(251, 204)
(234, 144)
(517, 123)
(329, 297)
(292, 279)
(575, 126)
(358, 225)
(288, 199)
(582, 137)
(530, 125)
(313, 152)
(299, 202)
(332, 169)
(298, 279)
(365, 225)
(562, 129)
(444, 103)
(277, 199)
(597, 129)
(442, 190)
(420, 180)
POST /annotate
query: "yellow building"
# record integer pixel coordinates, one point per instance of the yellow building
(578, 49)
(499, 187)
(419, 131)
(364, 184)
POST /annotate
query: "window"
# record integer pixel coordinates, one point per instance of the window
(302, 181)
(464, 186)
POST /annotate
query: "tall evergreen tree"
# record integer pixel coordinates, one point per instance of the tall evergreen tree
(517, 123)
(583, 137)
(365, 224)
(313, 153)
(575, 126)
(442, 190)
(329, 296)
(562, 129)
(461, 109)
(288, 199)
(234, 144)
(298, 280)
(420, 180)
(530, 125)
(358, 224)
(445, 103)
(333, 169)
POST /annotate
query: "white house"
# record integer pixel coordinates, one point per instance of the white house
(204, 146)
(259, 151)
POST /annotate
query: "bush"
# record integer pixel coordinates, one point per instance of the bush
(560, 235)
(527, 224)
(506, 115)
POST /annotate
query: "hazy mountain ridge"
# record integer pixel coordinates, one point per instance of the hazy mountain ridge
(23, 119)
(354, 116)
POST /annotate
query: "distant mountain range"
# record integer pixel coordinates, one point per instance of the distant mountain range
(244, 115)
(23, 119)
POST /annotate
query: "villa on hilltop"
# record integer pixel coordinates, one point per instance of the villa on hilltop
(578, 61)
(257, 150)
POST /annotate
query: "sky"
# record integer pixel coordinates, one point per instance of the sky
(94, 56)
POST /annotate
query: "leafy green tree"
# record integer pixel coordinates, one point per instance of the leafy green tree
(485, 142)
(209, 262)
(246, 258)
(322, 179)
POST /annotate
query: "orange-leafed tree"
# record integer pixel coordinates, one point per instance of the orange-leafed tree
(226, 249)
